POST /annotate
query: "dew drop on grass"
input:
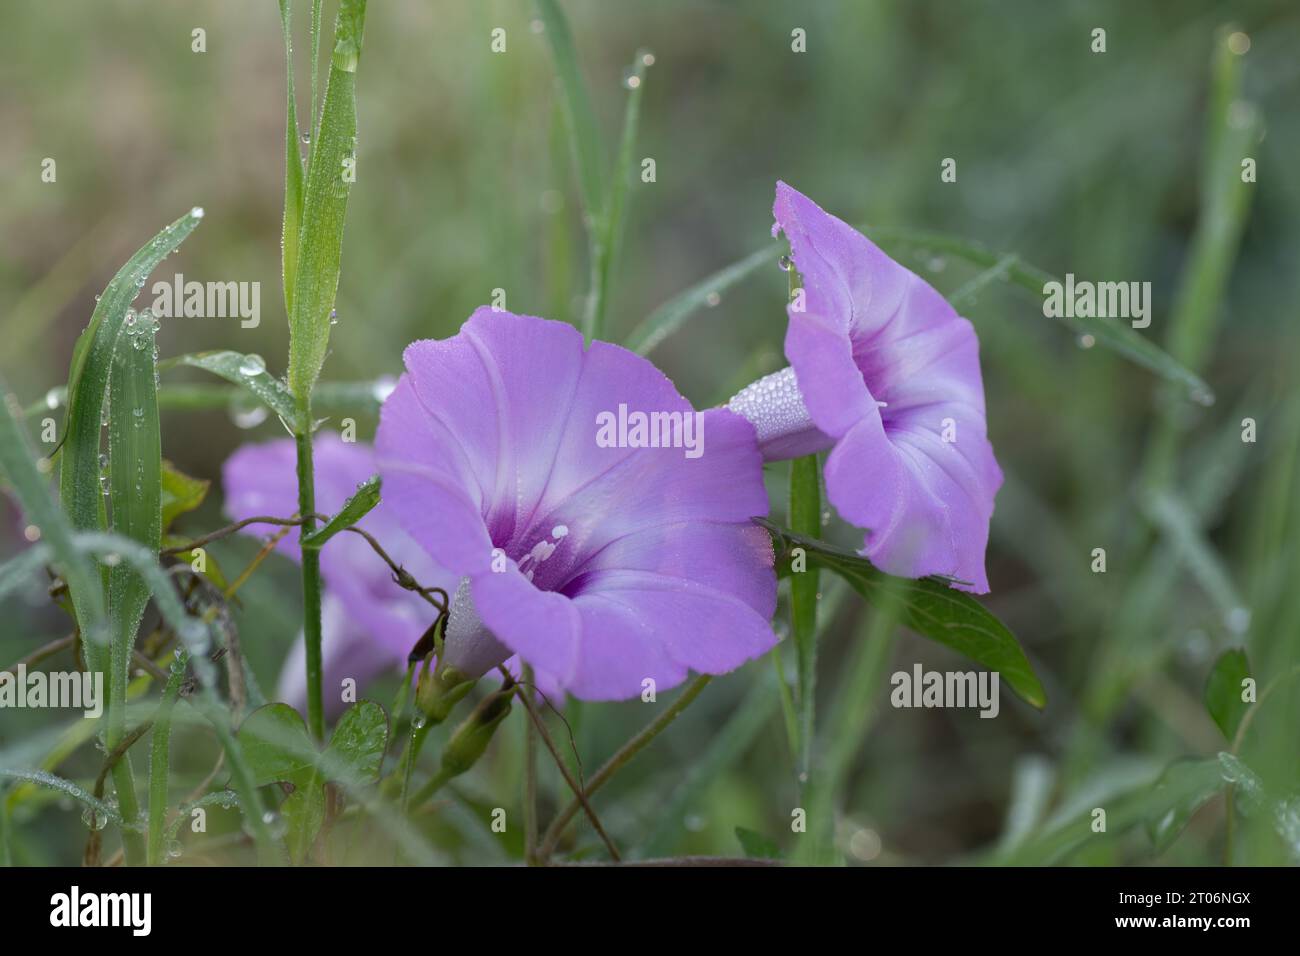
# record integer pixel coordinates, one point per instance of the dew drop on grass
(253, 364)
(197, 212)
(247, 413)
(785, 262)
(334, 316)
(93, 819)
(712, 299)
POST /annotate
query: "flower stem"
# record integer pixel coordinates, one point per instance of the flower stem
(311, 622)
(530, 778)
(805, 519)
(624, 754)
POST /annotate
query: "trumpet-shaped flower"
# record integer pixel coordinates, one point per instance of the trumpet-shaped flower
(886, 375)
(599, 526)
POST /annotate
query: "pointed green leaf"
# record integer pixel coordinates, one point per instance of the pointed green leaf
(927, 605)
(293, 179)
(354, 509)
(249, 372)
(330, 173)
(756, 846)
(1224, 690)
(79, 474)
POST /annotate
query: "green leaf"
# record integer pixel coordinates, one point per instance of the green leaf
(1223, 691)
(756, 846)
(134, 474)
(579, 118)
(356, 751)
(670, 316)
(279, 749)
(354, 509)
(927, 605)
(18, 461)
(135, 492)
(325, 204)
(79, 484)
(277, 746)
(181, 494)
(304, 813)
(609, 235)
(248, 371)
(293, 178)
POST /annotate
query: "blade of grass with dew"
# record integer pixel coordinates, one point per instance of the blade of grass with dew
(79, 485)
(315, 59)
(330, 173)
(1233, 126)
(135, 495)
(65, 787)
(1122, 339)
(604, 251)
(731, 741)
(160, 761)
(579, 118)
(249, 372)
(291, 226)
(669, 317)
(18, 461)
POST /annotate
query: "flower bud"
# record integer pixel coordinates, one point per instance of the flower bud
(439, 690)
(470, 739)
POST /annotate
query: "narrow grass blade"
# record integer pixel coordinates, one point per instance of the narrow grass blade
(1121, 339)
(79, 485)
(248, 372)
(1109, 333)
(670, 316)
(730, 743)
(579, 118)
(293, 178)
(1233, 127)
(330, 174)
(354, 509)
(610, 233)
(160, 762)
(18, 460)
(135, 493)
(65, 787)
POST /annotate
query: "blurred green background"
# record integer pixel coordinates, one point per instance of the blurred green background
(1079, 162)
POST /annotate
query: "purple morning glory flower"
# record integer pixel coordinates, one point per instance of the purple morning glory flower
(369, 624)
(885, 374)
(598, 524)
